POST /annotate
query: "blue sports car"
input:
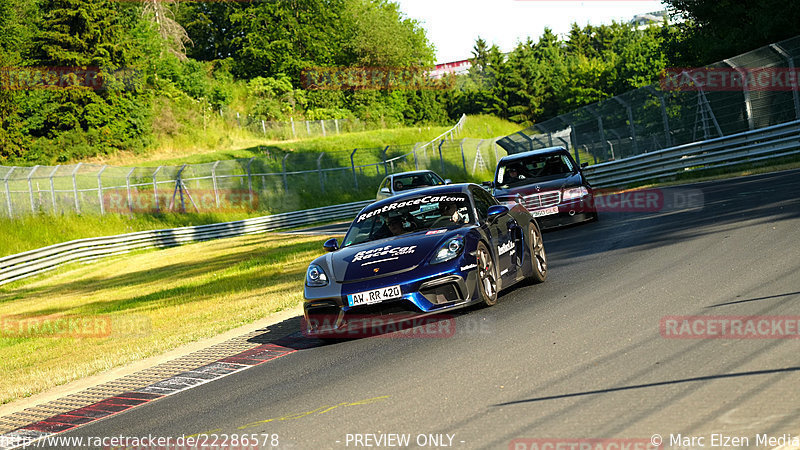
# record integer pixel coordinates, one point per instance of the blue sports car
(420, 253)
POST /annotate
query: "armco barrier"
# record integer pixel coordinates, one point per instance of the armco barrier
(33, 262)
(761, 144)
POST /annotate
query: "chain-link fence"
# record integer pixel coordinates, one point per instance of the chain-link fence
(270, 183)
(750, 91)
(300, 129)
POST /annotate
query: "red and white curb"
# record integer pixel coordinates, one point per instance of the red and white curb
(60, 423)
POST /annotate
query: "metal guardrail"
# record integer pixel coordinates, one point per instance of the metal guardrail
(765, 143)
(33, 262)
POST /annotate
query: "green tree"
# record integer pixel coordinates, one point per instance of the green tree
(719, 29)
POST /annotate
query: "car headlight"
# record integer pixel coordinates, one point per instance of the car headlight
(449, 250)
(315, 276)
(510, 202)
(573, 193)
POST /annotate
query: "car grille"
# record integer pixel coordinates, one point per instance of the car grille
(541, 200)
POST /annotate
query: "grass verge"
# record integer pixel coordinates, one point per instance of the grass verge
(244, 145)
(146, 303)
(31, 232)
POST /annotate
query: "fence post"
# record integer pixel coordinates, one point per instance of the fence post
(263, 128)
(383, 158)
(308, 129)
(53, 189)
(100, 189)
(179, 188)
(619, 144)
(319, 170)
(30, 188)
(599, 122)
(322, 125)
(336, 122)
(748, 105)
(573, 135)
(790, 60)
(463, 160)
(214, 182)
(416, 161)
(527, 138)
(75, 188)
(285, 179)
(294, 133)
(250, 182)
(353, 166)
(8, 192)
(627, 107)
(441, 158)
(664, 117)
(155, 187)
(128, 187)
(496, 154)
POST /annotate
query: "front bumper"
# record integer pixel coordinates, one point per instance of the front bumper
(569, 213)
(425, 291)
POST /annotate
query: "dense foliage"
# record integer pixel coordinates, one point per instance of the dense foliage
(158, 67)
(165, 67)
(539, 80)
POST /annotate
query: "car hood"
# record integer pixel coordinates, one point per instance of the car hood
(546, 184)
(389, 256)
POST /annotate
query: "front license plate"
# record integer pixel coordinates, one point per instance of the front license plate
(545, 212)
(374, 296)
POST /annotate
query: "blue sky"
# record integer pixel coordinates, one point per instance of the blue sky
(454, 25)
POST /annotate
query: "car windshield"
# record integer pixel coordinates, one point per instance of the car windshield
(424, 213)
(522, 171)
(416, 180)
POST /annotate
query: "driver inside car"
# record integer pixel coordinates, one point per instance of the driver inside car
(512, 174)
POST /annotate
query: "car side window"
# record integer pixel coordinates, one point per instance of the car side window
(482, 202)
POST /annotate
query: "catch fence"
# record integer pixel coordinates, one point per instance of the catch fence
(274, 182)
(750, 91)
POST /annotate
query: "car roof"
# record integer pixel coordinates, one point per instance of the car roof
(413, 172)
(541, 151)
(443, 189)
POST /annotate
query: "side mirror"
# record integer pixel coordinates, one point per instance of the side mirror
(385, 191)
(447, 181)
(495, 211)
(488, 184)
(331, 245)
(584, 165)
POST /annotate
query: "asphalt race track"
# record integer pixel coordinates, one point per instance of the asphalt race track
(583, 355)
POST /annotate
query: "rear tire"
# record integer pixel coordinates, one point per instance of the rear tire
(538, 257)
(487, 275)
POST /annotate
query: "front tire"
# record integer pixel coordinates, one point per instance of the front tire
(487, 275)
(538, 257)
